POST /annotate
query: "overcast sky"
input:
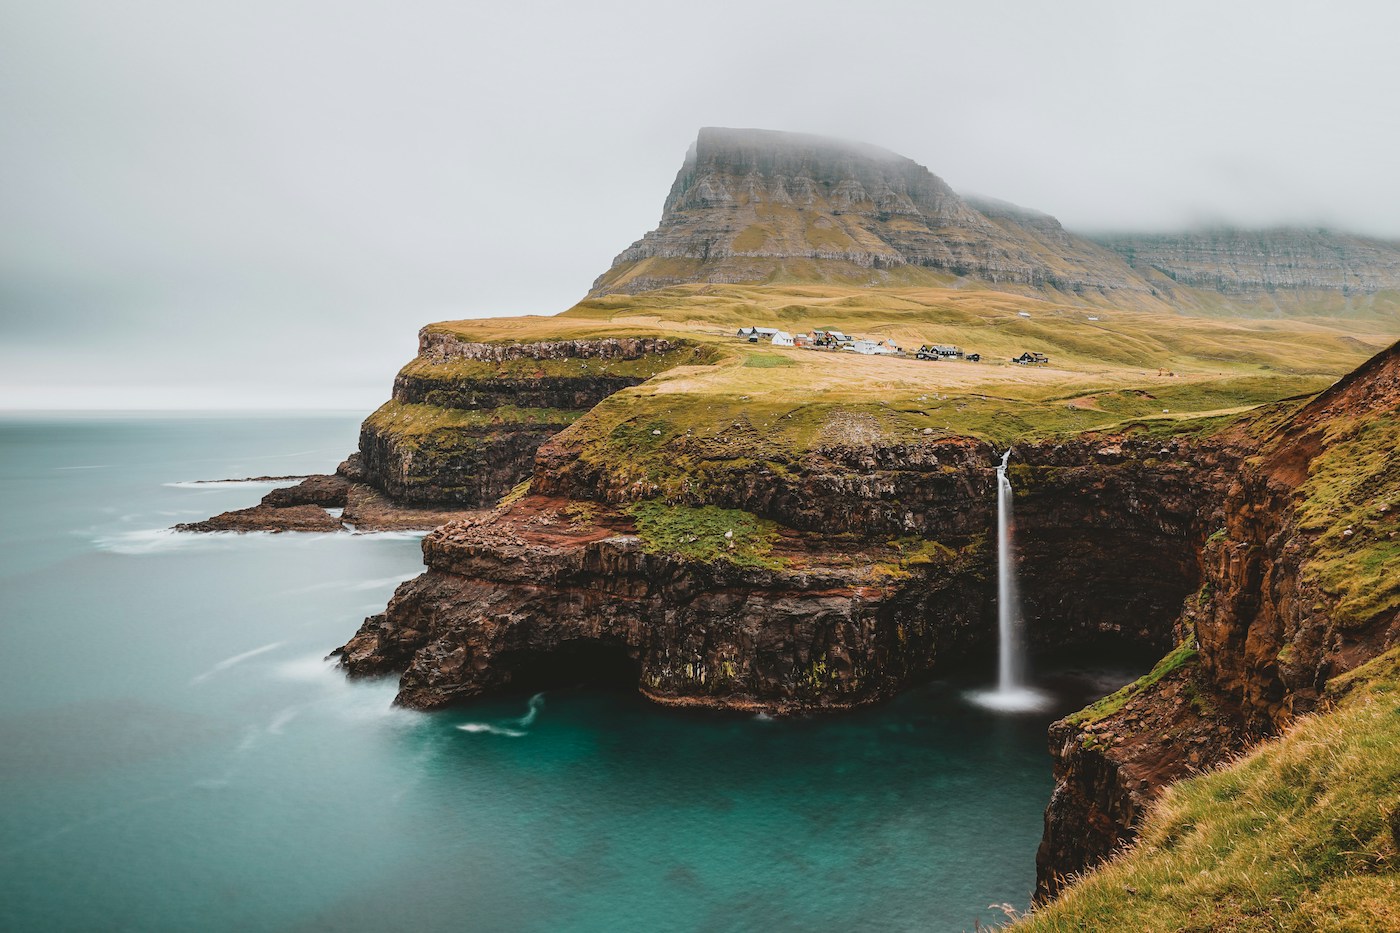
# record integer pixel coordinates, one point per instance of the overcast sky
(257, 204)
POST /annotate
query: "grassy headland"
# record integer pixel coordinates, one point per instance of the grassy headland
(1295, 836)
(722, 404)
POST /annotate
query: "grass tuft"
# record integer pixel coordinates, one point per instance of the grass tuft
(707, 534)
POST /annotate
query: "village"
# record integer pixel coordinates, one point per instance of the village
(836, 340)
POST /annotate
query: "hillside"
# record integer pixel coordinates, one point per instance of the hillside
(1249, 264)
(758, 206)
(1303, 834)
(763, 207)
(634, 492)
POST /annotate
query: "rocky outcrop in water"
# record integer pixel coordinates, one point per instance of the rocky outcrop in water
(533, 597)
(880, 578)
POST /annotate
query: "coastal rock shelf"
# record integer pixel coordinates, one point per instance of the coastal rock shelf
(791, 617)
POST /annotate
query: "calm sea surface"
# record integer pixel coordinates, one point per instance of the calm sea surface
(175, 754)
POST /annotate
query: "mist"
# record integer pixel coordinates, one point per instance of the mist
(257, 204)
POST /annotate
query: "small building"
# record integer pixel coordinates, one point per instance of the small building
(782, 339)
(871, 348)
(754, 334)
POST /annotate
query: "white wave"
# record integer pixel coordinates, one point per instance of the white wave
(160, 540)
(306, 669)
(386, 535)
(88, 466)
(335, 513)
(490, 729)
(233, 483)
(227, 663)
(369, 700)
(512, 728)
(1019, 700)
(250, 738)
(381, 582)
(279, 722)
(532, 712)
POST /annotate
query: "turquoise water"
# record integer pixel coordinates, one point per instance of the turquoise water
(176, 755)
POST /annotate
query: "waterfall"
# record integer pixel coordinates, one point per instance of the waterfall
(1011, 692)
(1009, 664)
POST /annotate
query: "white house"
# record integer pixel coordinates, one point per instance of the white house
(782, 339)
(754, 334)
(870, 348)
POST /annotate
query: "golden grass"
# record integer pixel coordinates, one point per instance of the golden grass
(1293, 837)
(1142, 367)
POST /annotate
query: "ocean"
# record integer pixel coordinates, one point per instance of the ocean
(177, 754)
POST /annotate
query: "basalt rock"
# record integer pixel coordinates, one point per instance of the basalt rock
(466, 418)
(517, 596)
(1269, 631)
(843, 618)
(326, 503)
(1252, 263)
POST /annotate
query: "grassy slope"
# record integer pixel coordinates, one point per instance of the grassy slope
(1293, 837)
(679, 428)
(1126, 366)
(1352, 506)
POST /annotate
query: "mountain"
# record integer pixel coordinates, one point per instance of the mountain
(764, 206)
(1253, 262)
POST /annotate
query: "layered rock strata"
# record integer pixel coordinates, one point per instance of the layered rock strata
(530, 593)
(466, 418)
(1250, 263)
(880, 578)
(759, 205)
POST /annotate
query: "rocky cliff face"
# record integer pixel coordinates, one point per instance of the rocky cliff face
(537, 595)
(1250, 263)
(758, 205)
(466, 418)
(880, 575)
(1301, 582)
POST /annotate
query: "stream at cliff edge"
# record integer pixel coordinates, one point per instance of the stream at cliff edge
(175, 754)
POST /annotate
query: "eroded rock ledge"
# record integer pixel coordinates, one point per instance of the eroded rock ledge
(845, 612)
(1295, 590)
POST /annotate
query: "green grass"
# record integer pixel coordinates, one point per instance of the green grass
(1354, 486)
(463, 370)
(1177, 658)
(716, 407)
(1293, 837)
(411, 423)
(706, 534)
(767, 360)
